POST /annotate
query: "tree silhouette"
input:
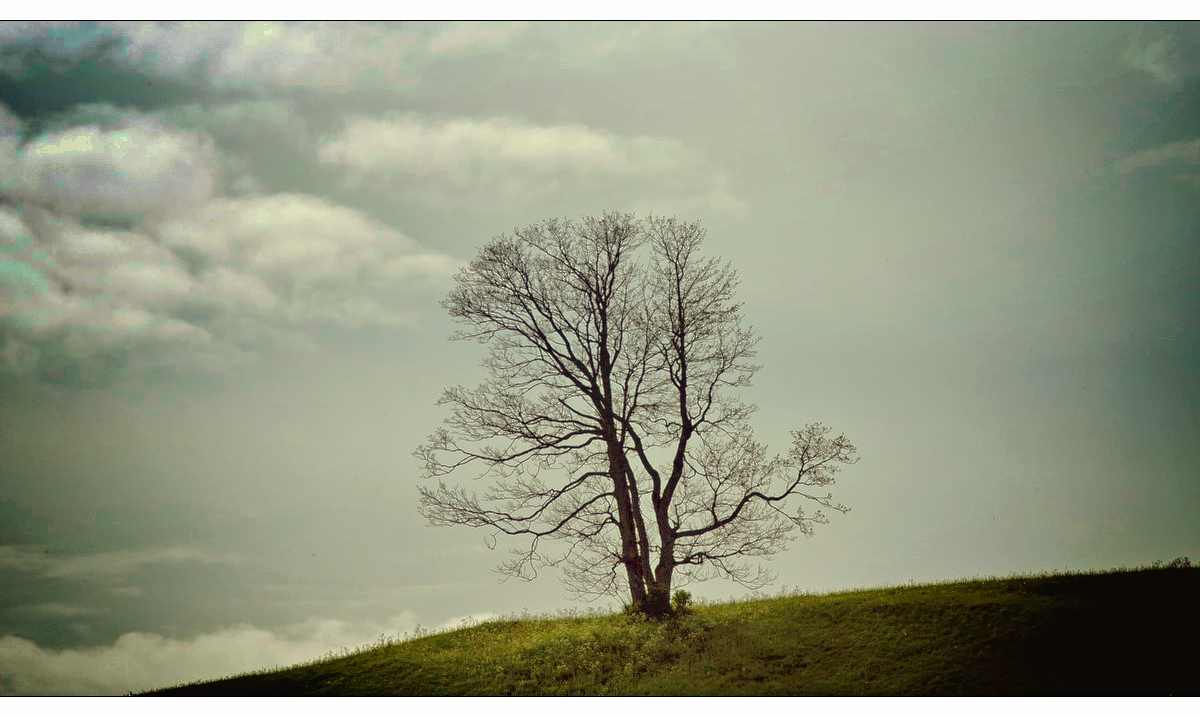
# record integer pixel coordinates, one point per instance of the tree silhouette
(606, 430)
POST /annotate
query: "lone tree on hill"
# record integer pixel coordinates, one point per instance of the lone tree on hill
(606, 424)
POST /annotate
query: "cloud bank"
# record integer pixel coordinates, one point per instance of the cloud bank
(332, 57)
(139, 661)
(119, 258)
(139, 240)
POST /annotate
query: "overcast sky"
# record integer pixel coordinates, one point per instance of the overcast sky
(972, 248)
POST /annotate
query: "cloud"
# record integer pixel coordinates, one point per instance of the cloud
(471, 35)
(301, 259)
(228, 133)
(171, 47)
(328, 56)
(1173, 154)
(463, 161)
(1176, 156)
(199, 288)
(1167, 52)
(102, 568)
(323, 56)
(134, 167)
(586, 44)
(1154, 57)
(246, 120)
(11, 129)
(62, 36)
(139, 661)
(411, 144)
(332, 57)
(74, 295)
(335, 57)
(58, 609)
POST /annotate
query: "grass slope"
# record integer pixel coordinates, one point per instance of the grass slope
(1114, 633)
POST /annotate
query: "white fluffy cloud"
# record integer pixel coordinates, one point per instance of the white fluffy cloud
(199, 282)
(323, 56)
(344, 56)
(303, 259)
(470, 162)
(204, 286)
(140, 661)
(446, 148)
(72, 294)
(193, 282)
(135, 167)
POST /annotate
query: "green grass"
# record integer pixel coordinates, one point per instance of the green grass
(1127, 632)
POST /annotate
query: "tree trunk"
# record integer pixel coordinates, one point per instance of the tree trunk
(630, 555)
(658, 590)
(658, 600)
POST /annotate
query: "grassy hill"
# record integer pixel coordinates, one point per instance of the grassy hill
(1115, 633)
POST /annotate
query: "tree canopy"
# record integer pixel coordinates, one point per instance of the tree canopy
(608, 430)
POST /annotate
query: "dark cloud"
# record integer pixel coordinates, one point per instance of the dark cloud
(47, 69)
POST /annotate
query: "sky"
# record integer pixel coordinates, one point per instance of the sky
(970, 247)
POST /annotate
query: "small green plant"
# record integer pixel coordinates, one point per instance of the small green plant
(681, 602)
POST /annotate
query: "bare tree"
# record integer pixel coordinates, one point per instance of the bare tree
(607, 425)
